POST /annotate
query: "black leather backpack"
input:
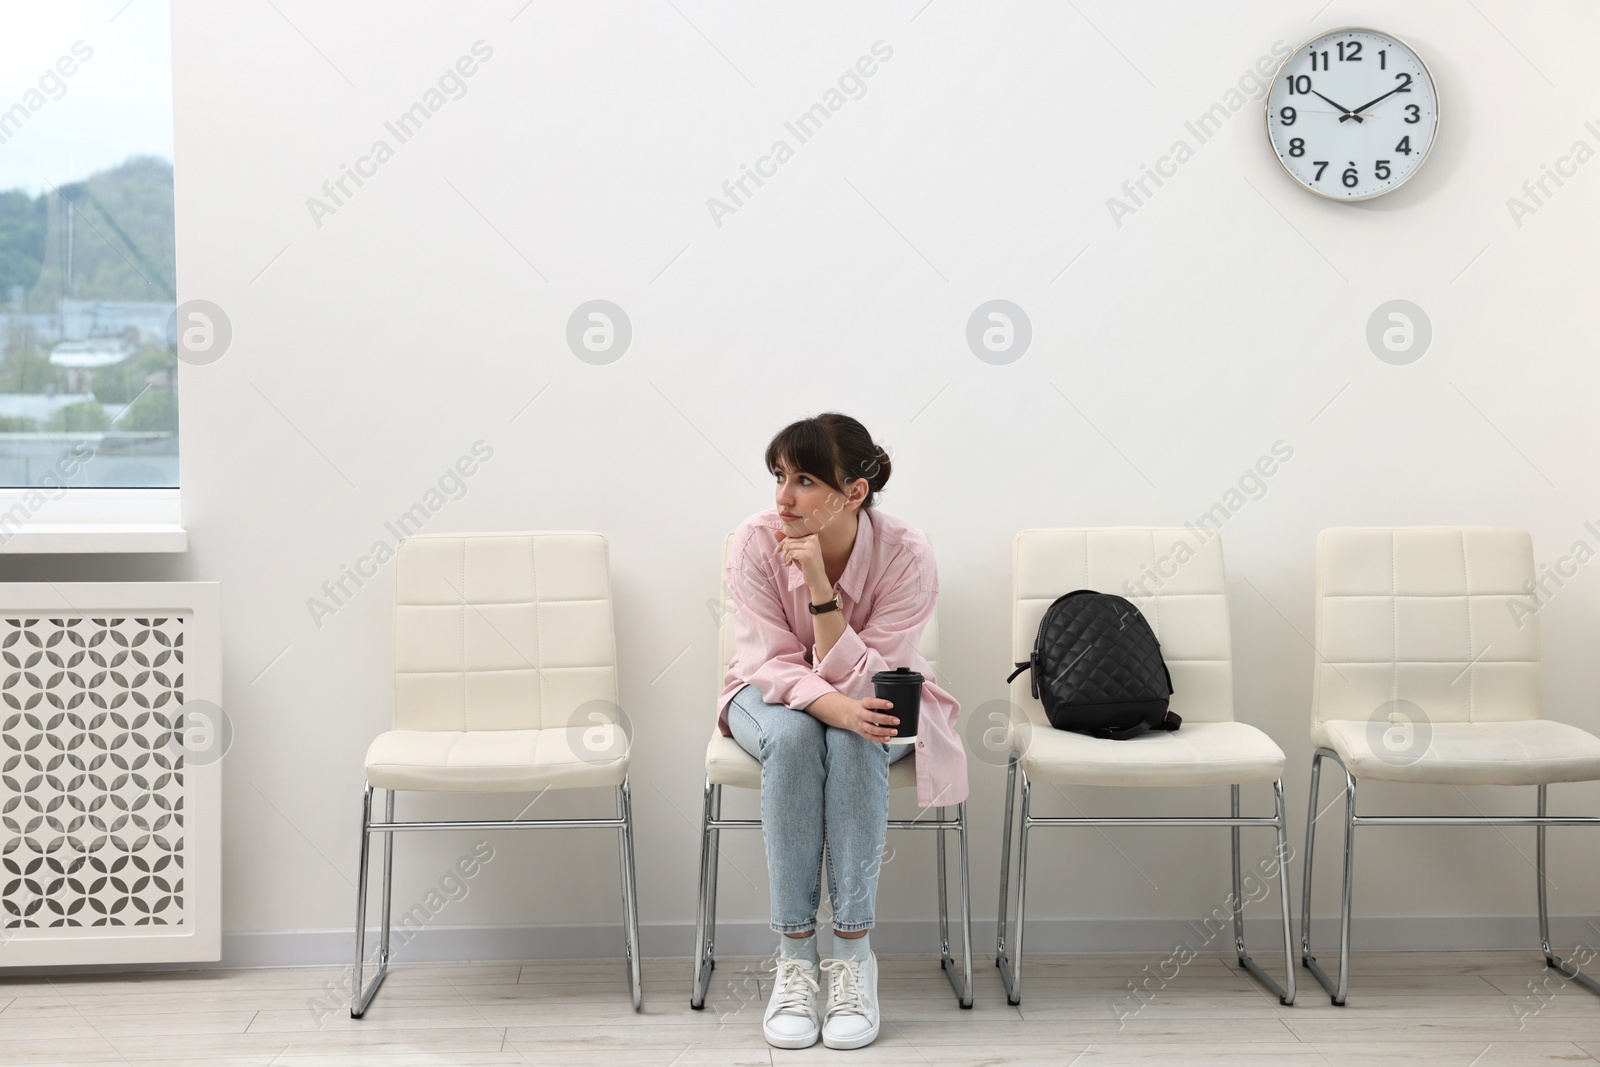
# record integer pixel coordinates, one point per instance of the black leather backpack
(1097, 668)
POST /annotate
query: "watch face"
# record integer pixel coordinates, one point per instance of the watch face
(1352, 113)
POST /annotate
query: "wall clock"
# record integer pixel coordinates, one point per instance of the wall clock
(1352, 113)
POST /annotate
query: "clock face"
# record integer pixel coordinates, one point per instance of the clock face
(1352, 113)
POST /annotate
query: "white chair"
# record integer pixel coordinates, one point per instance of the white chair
(1427, 643)
(1184, 598)
(729, 764)
(505, 681)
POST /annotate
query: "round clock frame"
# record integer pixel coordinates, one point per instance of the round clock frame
(1296, 53)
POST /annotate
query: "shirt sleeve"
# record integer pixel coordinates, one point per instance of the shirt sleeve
(766, 650)
(891, 636)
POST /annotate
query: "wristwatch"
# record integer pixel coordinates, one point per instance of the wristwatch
(831, 605)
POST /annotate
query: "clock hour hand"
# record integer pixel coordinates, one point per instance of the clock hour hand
(1348, 114)
(1369, 103)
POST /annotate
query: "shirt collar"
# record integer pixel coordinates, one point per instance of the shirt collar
(855, 568)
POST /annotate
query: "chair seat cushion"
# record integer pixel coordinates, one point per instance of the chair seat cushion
(727, 763)
(497, 761)
(1198, 753)
(1520, 752)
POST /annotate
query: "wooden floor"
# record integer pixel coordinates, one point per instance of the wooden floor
(1468, 1009)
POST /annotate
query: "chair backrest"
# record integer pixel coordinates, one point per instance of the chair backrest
(1441, 616)
(501, 631)
(928, 646)
(1173, 575)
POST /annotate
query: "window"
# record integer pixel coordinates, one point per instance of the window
(88, 379)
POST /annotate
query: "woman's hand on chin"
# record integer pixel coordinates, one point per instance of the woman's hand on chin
(805, 552)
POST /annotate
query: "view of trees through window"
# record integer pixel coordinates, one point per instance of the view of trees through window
(88, 380)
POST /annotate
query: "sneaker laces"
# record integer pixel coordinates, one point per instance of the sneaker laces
(845, 993)
(796, 989)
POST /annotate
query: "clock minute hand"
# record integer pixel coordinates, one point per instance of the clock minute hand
(1348, 114)
(1369, 103)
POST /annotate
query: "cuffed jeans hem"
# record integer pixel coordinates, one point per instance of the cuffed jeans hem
(850, 928)
(794, 928)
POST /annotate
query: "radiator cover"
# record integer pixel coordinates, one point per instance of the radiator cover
(110, 828)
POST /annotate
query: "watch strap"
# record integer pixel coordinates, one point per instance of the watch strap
(831, 605)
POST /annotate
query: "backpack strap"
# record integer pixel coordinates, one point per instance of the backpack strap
(1124, 734)
(1031, 664)
(1168, 722)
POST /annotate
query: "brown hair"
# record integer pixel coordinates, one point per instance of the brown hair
(835, 448)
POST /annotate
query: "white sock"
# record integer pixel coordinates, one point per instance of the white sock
(799, 948)
(852, 948)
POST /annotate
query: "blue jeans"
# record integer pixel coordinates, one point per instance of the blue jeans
(817, 783)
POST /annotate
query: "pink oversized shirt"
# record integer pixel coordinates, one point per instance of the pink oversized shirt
(886, 592)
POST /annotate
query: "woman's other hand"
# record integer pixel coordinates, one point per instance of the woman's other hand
(871, 717)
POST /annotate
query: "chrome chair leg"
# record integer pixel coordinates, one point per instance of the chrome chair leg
(716, 868)
(1238, 891)
(1285, 995)
(702, 955)
(1306, 861)
(966, 908)
(941, 866)
(1347, 895)
(630, 895)
(1336, 991)
(360, 995)
(388, 874)
(1012, 973)
(961, 982)
(1551, 960)
(1000, 959)
(1282, 810)
(941, 880)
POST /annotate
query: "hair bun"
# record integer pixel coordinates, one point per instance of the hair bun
(881, 475)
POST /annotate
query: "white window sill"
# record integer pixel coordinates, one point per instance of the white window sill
(91, 520)
(41, 537)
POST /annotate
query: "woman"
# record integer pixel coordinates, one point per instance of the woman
(827, 592)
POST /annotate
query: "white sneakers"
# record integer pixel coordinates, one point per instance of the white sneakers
(791, 1018)
(852, 1016)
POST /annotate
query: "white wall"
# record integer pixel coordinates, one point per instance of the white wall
(371, 351)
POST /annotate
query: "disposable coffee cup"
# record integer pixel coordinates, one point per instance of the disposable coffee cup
(902, 687)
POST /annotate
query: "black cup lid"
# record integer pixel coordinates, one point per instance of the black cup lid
(899, 674)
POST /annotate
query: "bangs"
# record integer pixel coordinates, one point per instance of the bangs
(807, 448)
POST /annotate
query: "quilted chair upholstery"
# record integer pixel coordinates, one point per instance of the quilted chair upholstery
(505, 674)
(1439, 621)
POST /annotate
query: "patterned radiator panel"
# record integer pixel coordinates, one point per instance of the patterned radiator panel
(92, 783)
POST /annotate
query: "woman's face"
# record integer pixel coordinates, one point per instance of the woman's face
(806, 503)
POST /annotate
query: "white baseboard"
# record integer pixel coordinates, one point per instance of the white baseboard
(1157, 937)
